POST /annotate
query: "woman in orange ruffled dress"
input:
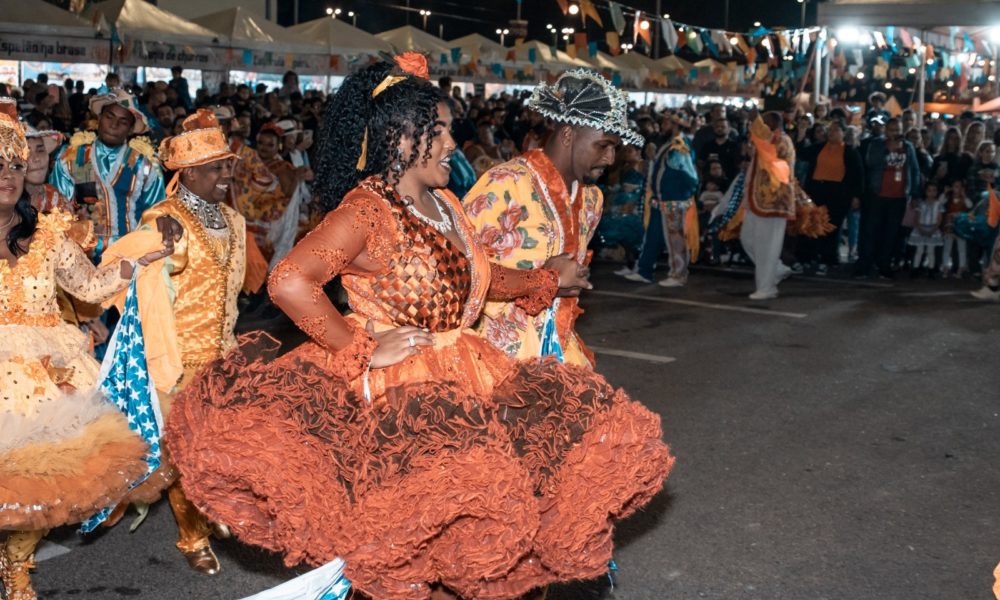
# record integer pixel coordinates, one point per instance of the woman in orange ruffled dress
(397, 438)
(66, 452)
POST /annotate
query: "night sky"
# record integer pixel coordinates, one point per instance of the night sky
(485, 16)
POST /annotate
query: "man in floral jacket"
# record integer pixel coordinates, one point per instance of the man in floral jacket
(544, 204)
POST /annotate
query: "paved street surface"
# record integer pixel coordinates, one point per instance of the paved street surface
(840, 442)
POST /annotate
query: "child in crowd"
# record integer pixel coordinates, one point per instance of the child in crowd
(926, 235)
(983, 172)
(957, 202)
(713, 188)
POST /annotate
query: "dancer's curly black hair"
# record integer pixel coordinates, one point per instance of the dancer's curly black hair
(26, 228)
(407, 108)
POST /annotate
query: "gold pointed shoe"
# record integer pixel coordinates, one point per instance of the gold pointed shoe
(203, 561)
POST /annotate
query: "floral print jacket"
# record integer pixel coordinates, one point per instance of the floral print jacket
(524, 214)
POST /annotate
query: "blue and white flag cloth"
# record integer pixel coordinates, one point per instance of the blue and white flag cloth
(550, 337)
(323, 583)
(125, 381)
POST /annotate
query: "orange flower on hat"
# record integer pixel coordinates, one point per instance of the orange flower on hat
(413, 63)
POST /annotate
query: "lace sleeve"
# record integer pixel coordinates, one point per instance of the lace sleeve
(343, 238)
(531, 289)
(78, 276)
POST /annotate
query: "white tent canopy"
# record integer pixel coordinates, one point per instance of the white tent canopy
(339, 37)
(927, 14)
(544, 58)
(246, 29)
(409, 38)
(37, 16)
(637, 61)
(143, 21)
(485, 48)
(672, 63)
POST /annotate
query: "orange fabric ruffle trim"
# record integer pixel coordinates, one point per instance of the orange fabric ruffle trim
(69, 479)
(492, 494)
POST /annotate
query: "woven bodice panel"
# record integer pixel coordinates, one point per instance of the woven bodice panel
(426, 283)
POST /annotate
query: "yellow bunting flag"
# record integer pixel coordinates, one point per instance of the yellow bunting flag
(614, 44)
(587, 9)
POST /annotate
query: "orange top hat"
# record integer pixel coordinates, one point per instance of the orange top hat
(201, 142)
(13, 144)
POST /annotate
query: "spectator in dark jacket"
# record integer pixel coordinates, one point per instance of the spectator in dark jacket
(892, 178)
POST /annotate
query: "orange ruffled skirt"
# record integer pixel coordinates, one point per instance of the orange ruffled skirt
(489, 476)
(66, 452)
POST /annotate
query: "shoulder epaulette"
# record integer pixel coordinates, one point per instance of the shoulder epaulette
(82, 138)
(143, 146)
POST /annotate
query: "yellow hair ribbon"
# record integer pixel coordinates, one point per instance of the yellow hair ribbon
(386, 83)
(363, 159)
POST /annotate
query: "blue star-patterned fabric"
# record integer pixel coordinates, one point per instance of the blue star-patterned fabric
(125, 382)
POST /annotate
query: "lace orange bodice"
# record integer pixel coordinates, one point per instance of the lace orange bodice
(396, 270)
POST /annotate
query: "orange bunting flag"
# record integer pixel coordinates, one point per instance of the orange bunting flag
(580, 41)
(642, 32)
(993, 215)
(563, 6)
(587, 9)
(614, 43)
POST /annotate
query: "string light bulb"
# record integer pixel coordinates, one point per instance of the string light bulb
(574, 9)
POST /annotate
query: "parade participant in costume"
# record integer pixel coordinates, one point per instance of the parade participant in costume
(770, 199)
(991, 275)
(295, 219)
(670, 187)
(261, 204)
(115, 178)
(397, 438)
(44, 196)
(256, 193)
(66, 452)
(207, 272)
(544, 204)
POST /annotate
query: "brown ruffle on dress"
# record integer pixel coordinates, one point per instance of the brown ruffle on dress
(457, 465)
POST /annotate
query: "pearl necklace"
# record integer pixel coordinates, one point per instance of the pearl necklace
(443, 226)
(208, 214)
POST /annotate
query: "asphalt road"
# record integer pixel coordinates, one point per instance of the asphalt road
(840, 442)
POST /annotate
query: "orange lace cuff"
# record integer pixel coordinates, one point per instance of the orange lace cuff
(352, 361)
(532, 290)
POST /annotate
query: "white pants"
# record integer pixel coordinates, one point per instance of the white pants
(762, 239)
(918, 255)
(963, 260)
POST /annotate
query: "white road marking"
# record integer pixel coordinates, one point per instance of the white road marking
(725, 307)
(47, 550)
(933, 294)
(792, 277)
(636, 355)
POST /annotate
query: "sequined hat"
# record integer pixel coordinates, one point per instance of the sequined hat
(586, 99)
(124, 99)
(201, 142)
(13, 144)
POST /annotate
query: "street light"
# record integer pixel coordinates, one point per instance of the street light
(574, 9)
(354, 18)
(627, 47)
(555, 34)
(803, 3)
(503, 33)
(329, 11)
(425, 14)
